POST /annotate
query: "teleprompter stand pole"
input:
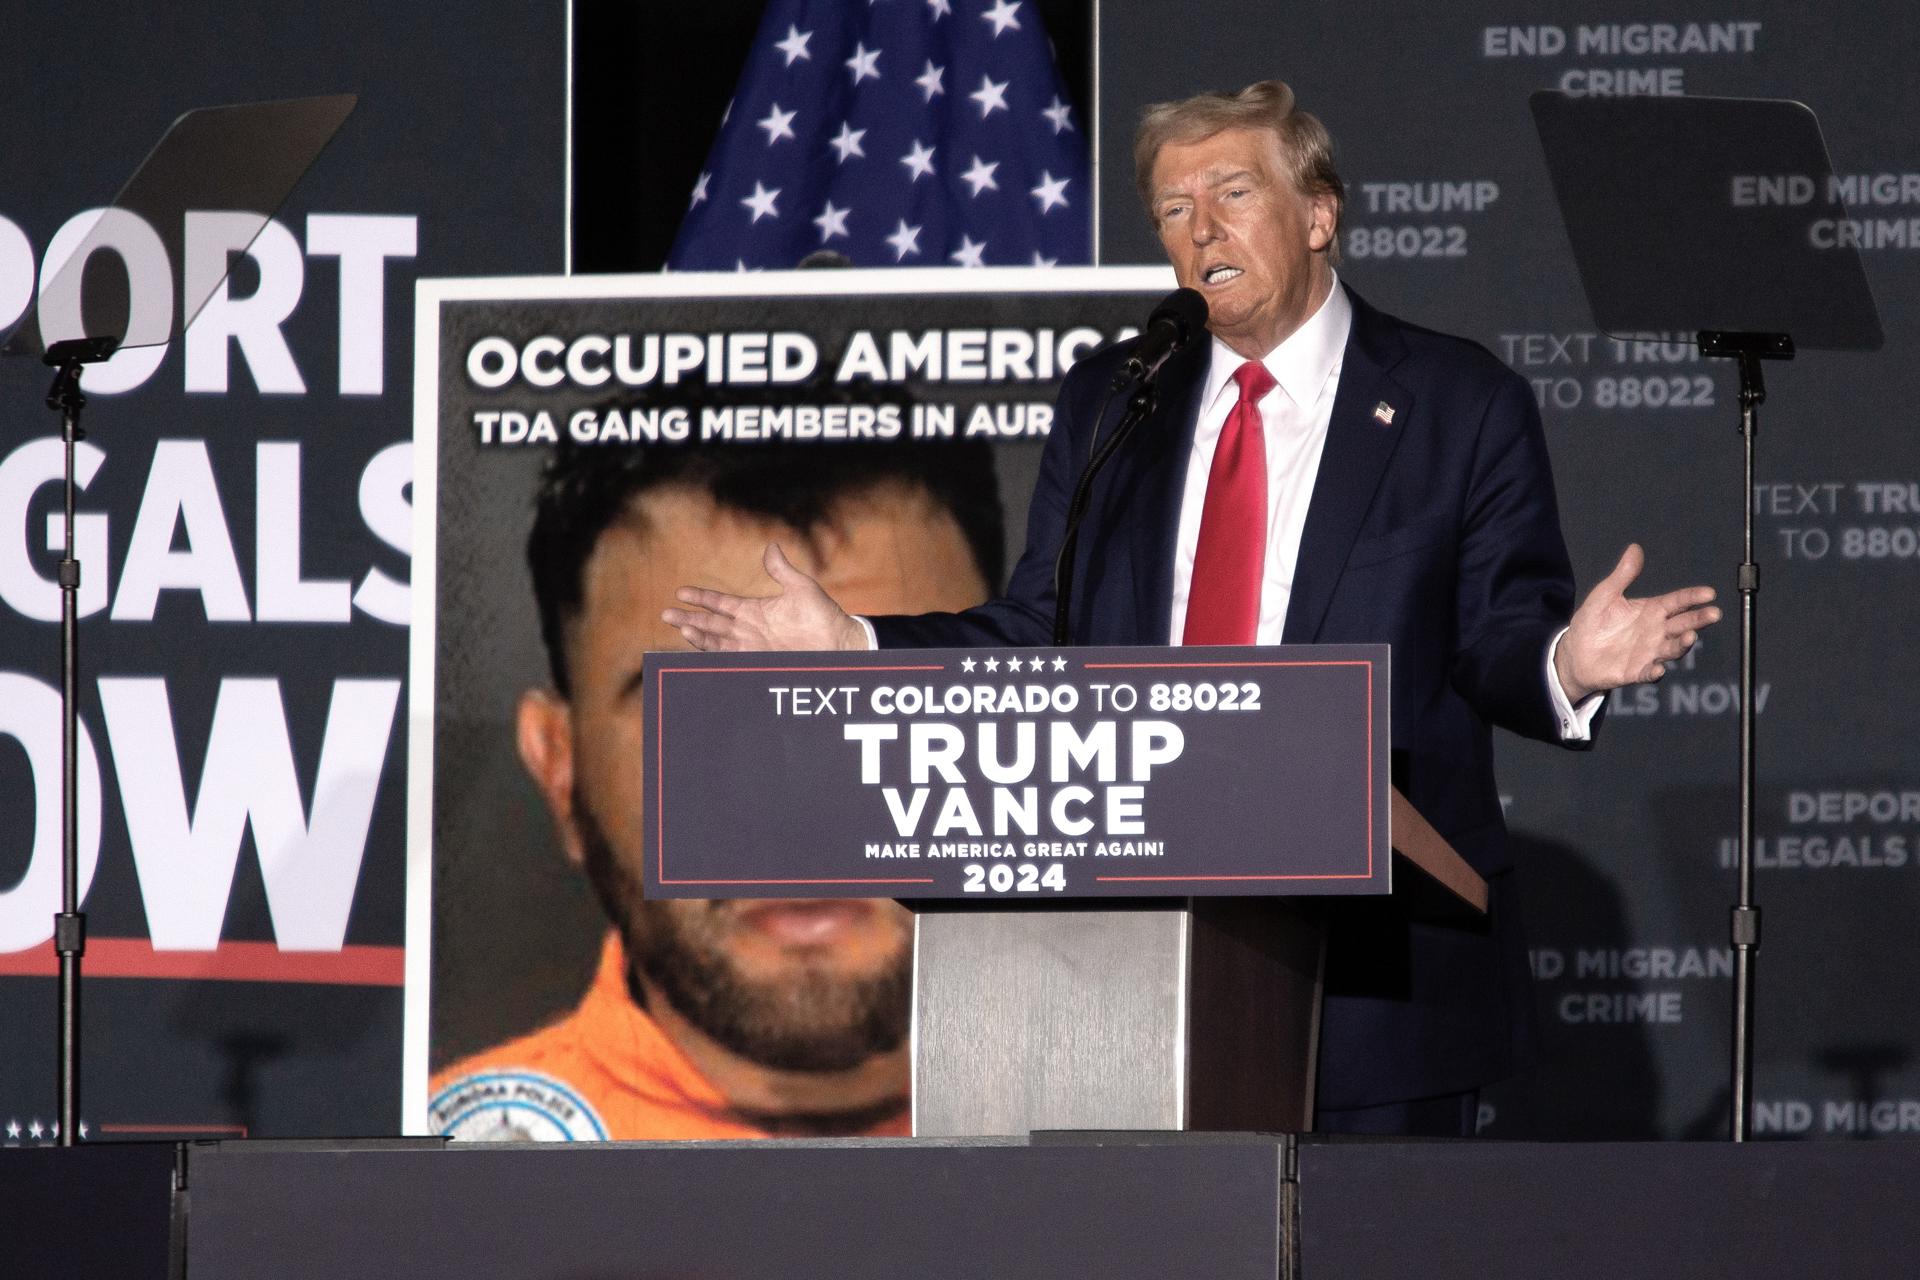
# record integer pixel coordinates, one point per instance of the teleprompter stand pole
(1749, 349)
(70, 358)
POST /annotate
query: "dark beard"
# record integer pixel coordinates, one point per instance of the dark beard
(809, 1021)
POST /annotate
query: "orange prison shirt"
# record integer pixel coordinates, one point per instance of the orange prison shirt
(604, 1072)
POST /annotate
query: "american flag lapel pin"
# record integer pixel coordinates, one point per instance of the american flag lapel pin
(1383, 412)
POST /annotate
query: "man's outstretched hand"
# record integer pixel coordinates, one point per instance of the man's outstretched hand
(1614, 640)
(797, 616)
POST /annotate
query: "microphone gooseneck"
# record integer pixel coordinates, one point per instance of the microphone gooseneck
(1180, 317)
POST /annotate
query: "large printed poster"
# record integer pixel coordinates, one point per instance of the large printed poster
(585, 447)
(244, 530)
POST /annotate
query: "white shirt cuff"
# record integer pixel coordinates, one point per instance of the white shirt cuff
(1576, 723)
(873, 641)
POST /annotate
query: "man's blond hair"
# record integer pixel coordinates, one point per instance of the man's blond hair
(1269, 105)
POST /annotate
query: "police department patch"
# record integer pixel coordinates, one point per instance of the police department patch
(513, 1106)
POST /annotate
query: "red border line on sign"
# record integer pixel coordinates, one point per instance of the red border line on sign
(1344, 875)
(1327, 662)
(1368, 766)
(354, 966)
(660, 767)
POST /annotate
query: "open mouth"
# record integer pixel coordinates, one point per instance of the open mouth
(1221, 274)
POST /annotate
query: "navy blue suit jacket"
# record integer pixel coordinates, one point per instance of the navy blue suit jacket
(1436, 533)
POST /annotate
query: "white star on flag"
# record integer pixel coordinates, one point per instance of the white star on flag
(991, 664)
(966, 664)
(820, 85)
(919, 160)
(906, 240)
(761, 202)
(778, 124)
(980, 177)
(832, 222)
(991, 97)
(968, 254)
(1059, 664)
(1051, 191)
(929, 80)
(795, 45)
(847, 143)
(1001, 16)
(862, 63)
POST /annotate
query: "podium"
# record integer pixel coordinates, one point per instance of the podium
(1116, 925)
(1200, 1013)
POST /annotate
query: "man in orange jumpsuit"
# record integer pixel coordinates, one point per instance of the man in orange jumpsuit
(721, 1019)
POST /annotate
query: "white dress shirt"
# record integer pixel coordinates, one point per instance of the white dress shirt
(1294, 417)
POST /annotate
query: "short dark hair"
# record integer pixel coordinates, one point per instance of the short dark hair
(585, 489)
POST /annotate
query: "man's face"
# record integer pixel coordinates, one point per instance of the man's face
(797, 984)
(1236, 228)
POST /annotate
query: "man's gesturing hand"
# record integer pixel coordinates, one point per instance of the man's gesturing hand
(1614, 641)
(797, 616)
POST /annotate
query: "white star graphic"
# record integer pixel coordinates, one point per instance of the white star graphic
(1041, 260)
(740, 264)
(1059, 664)
(906, 240)
(941, 9)
(929, 81)
(966, 664)
(991, 664)
(13, 1126)
(980, 177)
(1060, 115)
(778, 124)
(847, 143)
(832, 222)
(920, 160)
(34, 1130)
(991, 97)
(1051, 191)
(83, 1128)
(699, 190)
(1001, 16)
(968, 254)
(795, 45)
(862, 63)
(1013, 664)
(761, 202)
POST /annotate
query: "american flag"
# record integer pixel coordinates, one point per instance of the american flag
(894, 132)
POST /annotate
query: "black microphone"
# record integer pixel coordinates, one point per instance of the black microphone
(1173, 324)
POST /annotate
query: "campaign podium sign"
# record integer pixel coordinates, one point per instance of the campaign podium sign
(1112, 853)
(1032, 774)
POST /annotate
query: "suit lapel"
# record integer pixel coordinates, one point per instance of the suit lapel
(1369, 413)
(1165, 441)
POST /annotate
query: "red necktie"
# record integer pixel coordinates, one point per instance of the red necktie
(1223, 603)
